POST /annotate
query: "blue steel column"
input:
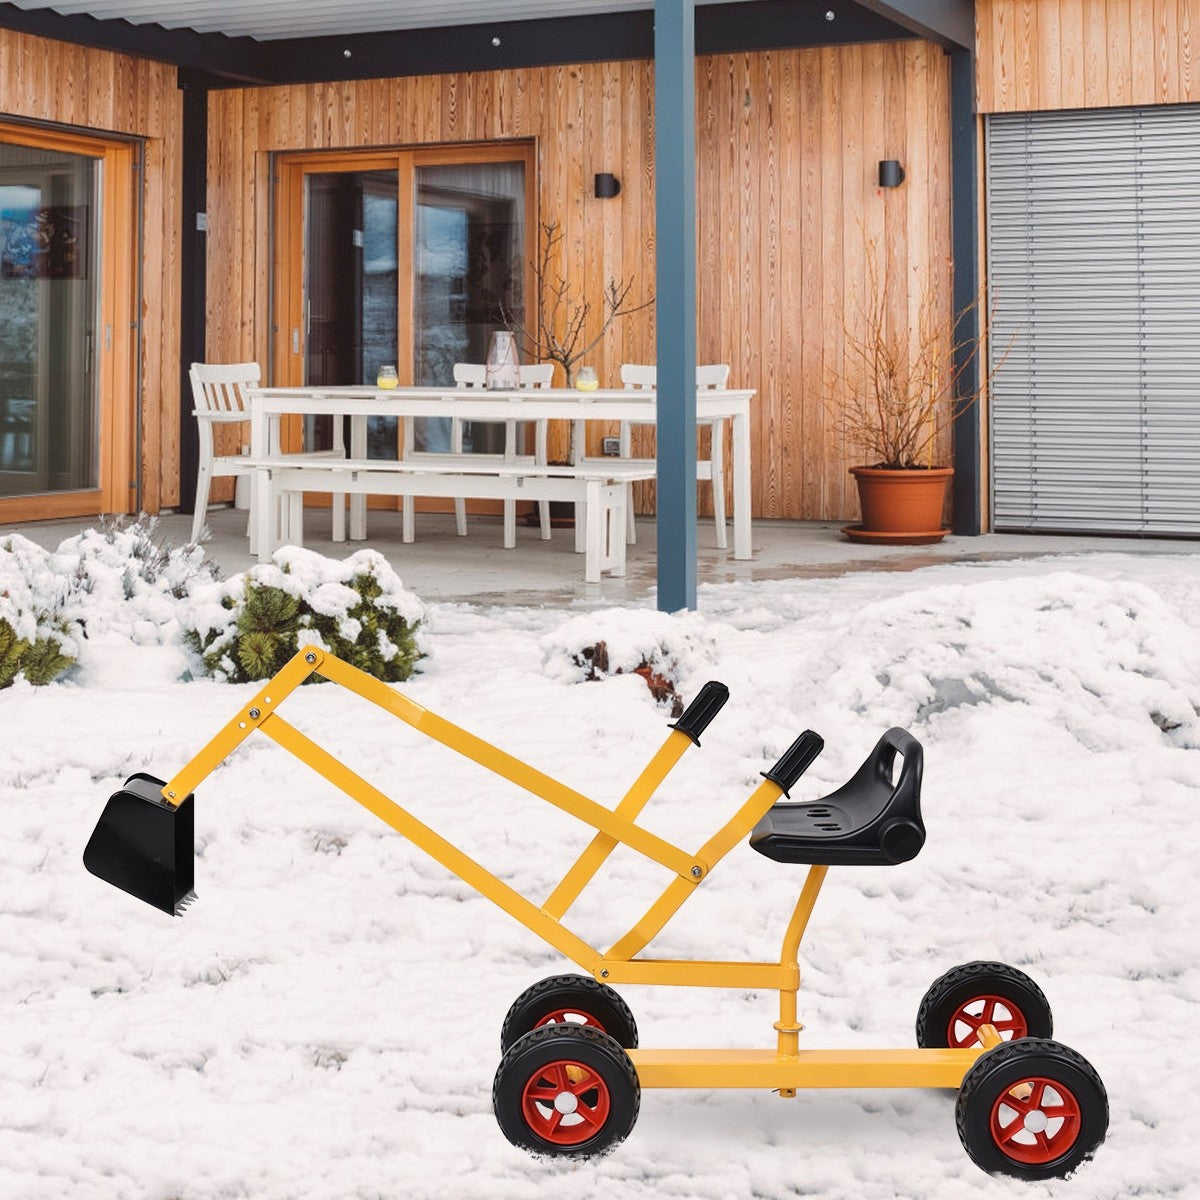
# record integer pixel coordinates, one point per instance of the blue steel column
(675, 289)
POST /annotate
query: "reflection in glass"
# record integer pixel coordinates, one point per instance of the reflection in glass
(49, 296)
(469, 256)
(351, 277)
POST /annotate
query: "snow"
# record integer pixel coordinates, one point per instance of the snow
(324, 1022)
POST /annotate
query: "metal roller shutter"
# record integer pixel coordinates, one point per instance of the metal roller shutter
(1093, 225)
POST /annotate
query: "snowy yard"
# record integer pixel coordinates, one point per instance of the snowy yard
(324, 1022)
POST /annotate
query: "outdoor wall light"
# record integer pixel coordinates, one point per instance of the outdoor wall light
(891, 173)
(607, 185)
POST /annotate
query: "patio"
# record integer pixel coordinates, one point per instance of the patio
(442, 567)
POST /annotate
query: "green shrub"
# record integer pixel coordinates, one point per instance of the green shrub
(356, 609)
(36, 640)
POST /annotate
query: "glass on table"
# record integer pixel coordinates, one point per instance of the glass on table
(387, 377)
(586, 380)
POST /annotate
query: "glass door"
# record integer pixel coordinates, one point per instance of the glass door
(468, 277)
(68, 306)
(411, 258)
(49, 309)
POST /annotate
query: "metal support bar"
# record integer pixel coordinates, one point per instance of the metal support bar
(675, 307)
(689, 867)
(715, 849)
(436, 846)
(808, 1069)
(697, 973)
(602, 845)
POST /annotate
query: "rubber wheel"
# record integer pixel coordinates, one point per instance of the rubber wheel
(566, 1090)
(573, 999)
(980, 993)
(1034, 1109)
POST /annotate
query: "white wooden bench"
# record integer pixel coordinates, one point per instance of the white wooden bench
(600, 489)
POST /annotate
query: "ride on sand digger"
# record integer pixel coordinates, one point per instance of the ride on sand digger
(571, 1073)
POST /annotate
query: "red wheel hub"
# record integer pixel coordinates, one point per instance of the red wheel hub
(962, 1030)
(1036, 1121)
(565, 1103)
(573, 1016)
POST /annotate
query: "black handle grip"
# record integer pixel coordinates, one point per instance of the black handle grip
(699, 714)
(795, 760)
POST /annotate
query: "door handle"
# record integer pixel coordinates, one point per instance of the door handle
(296, 340)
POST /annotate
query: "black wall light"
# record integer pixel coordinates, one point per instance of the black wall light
(607, 185)
(891, 173)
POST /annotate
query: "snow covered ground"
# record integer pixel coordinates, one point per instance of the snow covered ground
(323, 1024)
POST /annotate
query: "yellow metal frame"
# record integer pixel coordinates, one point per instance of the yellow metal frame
(785, 1069)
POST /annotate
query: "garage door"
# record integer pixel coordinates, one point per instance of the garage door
(1093, 230)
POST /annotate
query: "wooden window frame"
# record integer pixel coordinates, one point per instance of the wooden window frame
(116, 362)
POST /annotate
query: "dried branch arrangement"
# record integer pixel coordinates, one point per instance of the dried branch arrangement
(560, 334)
(898, 392)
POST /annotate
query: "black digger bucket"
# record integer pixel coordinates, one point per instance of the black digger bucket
(144, 846)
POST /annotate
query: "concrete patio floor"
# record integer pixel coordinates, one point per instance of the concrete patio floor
(441, 566)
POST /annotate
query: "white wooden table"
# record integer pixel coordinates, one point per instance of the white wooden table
(268, 405)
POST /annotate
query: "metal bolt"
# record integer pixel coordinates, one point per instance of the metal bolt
(310, 658)
(697, 872)
(254, 714)
(603, 974)
(241, 724)
(171, 795)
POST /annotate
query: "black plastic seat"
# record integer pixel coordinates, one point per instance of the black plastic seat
(867, 821)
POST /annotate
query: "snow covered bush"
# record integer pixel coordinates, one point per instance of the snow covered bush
(37, 641)
(247, 627)
(664, 648)
(123, 578)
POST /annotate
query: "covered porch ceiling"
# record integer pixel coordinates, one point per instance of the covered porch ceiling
(277, 41)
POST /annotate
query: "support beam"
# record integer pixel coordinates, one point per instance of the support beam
(948, 22)
(675, 304)
(237, 59)
(193, 263)
(964, 218)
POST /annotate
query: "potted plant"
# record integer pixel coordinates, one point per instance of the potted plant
(897, 394)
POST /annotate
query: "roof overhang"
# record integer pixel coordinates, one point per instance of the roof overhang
(730, 26)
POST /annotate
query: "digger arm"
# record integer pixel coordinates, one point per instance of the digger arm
(262, 713)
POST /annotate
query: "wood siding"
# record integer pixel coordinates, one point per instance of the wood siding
(97, 90)
(1057, 54)
(787, 143)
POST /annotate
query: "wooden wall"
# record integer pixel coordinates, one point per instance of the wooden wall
(788, 146)
(94, 89)
(1057, 54)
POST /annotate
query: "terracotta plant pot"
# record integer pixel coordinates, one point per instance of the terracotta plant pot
(900, 507)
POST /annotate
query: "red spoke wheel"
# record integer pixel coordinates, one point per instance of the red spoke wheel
(565, 1102)
(574, 1000)
(1034, 1109)
(566, 1089)
(962, 1030)
(982, 993)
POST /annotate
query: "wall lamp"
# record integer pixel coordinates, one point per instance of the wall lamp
(607, 185)
(891, 173)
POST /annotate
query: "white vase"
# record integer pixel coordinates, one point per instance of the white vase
(503, 370)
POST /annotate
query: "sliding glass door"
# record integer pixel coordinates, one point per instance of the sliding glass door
(410, 258)
(57, 344)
